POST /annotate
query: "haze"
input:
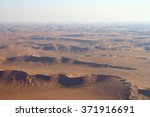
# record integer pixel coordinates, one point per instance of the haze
(69, 11)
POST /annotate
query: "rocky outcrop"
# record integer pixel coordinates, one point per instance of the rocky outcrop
(64, 60)
(40, 59)
(79, 49)
(68, 81)
(113, 85)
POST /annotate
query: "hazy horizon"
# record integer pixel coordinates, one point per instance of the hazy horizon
(74, 11)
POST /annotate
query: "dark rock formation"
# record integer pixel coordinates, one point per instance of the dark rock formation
(67, 81)
(43, 77)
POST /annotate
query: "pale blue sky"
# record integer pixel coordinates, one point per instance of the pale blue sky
(69, 11)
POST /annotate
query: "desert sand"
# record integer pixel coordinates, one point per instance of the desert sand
(71, 61)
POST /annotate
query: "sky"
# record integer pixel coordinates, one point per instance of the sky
(75, 11)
